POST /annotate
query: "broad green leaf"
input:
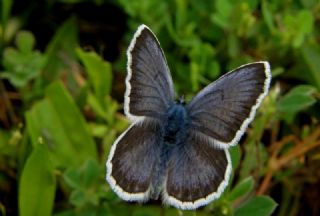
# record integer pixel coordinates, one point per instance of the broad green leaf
(241, 189)
(84, 176)
(37, 184)
(61, 49)
(219, 20)
(235, 153)
(59, 122)
(304, 26)
(181, 15)
(291, 105)
(5, 12)
(268, 17)
(311, 56)
(99, 72)
(78, 197)
(96, 106)
(306, 20)
(73, 178)
(223, 7)
(257, 206)
(233, 46)
(25, 41)
(306, 90)
(298, 99)
(91, 173)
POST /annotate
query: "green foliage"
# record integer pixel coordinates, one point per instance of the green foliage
(312, 58)
(84, 181)
(5, 13)
(299, 98)
(60, 107)
(22, 64)
(99, 73)
(260, 205)
(37, 184)
(61, 49)
(55, 119)
(242, 189)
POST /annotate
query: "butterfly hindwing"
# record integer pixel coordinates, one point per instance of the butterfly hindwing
(197, 173)
(224, 109)
(132, 160)
(149, 87)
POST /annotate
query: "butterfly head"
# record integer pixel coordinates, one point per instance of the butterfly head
(181, 100)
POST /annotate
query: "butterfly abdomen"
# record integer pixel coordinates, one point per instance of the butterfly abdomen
(173, 134)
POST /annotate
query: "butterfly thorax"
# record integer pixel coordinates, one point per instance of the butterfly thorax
(176, 123)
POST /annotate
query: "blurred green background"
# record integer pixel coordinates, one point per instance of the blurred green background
(62, 72)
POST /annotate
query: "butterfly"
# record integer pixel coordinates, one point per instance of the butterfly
(174, 150)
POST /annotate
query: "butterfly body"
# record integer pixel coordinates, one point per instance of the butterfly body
(176, 124)
(176, 151)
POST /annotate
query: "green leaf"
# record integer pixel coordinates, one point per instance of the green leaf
(305, 18)
(268, 17)
(306, 90)
(25, 41)
(233, 46)
(241, 189)
(37, 184)
(223, 7)
(84, 176)
(91, 173)
(61, 49)
(99, 72)
(73, 178)
(298, 99)
(5, 12)
(21, 67)
(257, 206)
(255, 154)
(96, 106)
(304, 25)
(78, 197)
(235, 153)
(59, 122)
(311, 56)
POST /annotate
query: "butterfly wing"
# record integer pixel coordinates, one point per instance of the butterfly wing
(223, 110)
(132, 159)
(149, 87)
(197, 173)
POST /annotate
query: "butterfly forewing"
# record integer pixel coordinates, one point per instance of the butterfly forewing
(197, 173)
(132, 159)
(149, 88)
(224, 109)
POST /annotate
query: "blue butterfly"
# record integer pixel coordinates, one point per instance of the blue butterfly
(173, 150)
